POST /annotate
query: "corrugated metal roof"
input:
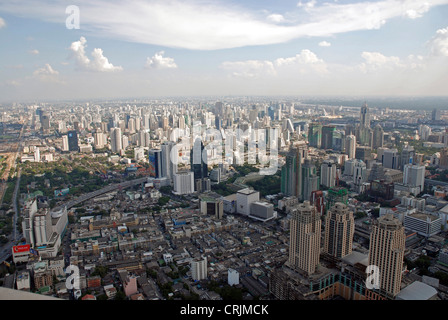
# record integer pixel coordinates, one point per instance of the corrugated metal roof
(417, 291)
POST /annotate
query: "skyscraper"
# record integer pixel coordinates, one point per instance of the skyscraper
(315, 134)
(328, 173)
(378, 137)
(116, 142)
(72, 140)
(339, 231)
(364, 119)
(169, 167)
(327, 137)
(350, 146)
(155, 163)
(198, 160)
(387, 244)
(414, 176)
(365, 134)
(291, 173)
(305, 232)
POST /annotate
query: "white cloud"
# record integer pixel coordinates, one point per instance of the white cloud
(212, 25)
(304, 62)
(250, 68)
(275, 18)
(439, 43)
(35, 51)
(2, 23)
(375, 61)
(99, 62)
(324, 44)
(158, 61)
(47, 73)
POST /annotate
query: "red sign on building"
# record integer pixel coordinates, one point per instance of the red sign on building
(21, 248)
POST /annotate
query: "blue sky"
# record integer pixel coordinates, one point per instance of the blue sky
(127, 48)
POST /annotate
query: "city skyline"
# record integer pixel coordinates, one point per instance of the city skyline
(147, 49)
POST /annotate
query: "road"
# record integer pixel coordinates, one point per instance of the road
(99, 192)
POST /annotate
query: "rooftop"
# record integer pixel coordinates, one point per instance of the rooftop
(417, 291)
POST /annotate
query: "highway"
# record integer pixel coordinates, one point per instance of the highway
(99, 192)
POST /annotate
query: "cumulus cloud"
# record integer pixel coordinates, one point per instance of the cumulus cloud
(439, 43)
(47, 73)
(304, 62)
(417, 11)
(324, 44)
(99, 62)
(158, 61)
(2, 23)
(35, 51)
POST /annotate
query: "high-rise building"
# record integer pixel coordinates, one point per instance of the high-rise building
(305, 233)
(116, 143)
(435, 115)
(65, 146)
(378, 137)
(99, 139)
(198, 160)
(414, 176)
(183, 182)
(387, 245)
(169, 167)
(328, 173)
(339, 231)
(315, 134)
(310, 179)
(244, 200)
(335, 195)
(327, 137)
(350, 146)
(291, 173)
(407, 156)
(390, 158)
(73, 140)
(364, 119)
(155, 163)
(199, 268)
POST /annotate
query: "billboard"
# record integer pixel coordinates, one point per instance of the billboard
(21, 248)
(62, 192)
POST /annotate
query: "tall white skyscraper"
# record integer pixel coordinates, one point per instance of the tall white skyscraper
(116, 143)
(414, 176)
(65, 143)
(99, 139)
(328, 173)
(350, 146)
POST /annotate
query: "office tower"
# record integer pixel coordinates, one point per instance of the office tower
(291, 173)
(378, 137)
(339, 231)
(43, 228)
(305, 233)
(131, 125)
(339, 141)
(155, 163)
(435, 115)
(327, 137)
(363, 153)
(414, 176)
(183, 182)
(199, 268)
(315, 134)
(350, 146)
(116, 142)
(310, 179)
(198, 160)
(390, 158)
(407, 156)
(169, 167)
(328, 173)
(443, 162)
(65, 146)
(99, 139)
(72, 140)
(364, 132)
(387, 244)
(359, 173)
(45, 120)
